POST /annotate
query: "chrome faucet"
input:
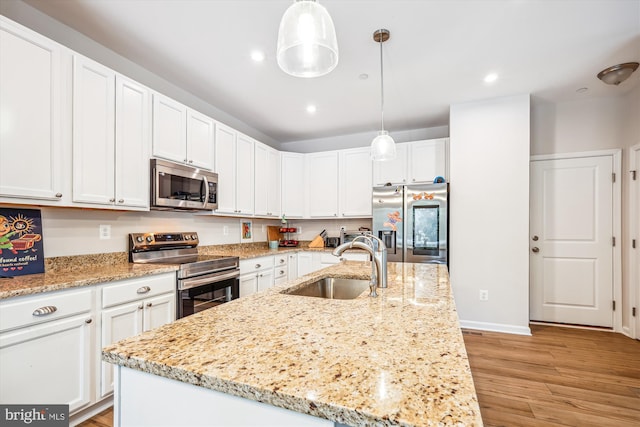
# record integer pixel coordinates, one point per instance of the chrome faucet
(378, 252)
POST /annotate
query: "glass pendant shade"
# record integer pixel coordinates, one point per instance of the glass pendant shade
(307, 44)
(383, 147)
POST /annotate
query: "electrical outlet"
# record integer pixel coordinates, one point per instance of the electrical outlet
(225, 230)
(263, 227)
(298, 230)
(484, 295)
(105, 231)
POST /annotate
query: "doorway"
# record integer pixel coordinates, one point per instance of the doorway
(575, 239)
(634, 225)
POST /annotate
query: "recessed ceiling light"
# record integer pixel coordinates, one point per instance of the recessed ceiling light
(257, 56)
(490, 78)
(311, 109)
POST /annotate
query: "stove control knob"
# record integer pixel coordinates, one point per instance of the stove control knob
(149, 239)
(187, 237)
(194, 237)
(139, 239)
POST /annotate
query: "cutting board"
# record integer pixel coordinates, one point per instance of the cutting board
(273, 233)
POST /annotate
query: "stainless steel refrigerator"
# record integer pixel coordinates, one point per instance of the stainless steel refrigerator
(413, 222)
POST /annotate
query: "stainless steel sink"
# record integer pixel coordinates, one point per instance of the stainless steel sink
(332, 288)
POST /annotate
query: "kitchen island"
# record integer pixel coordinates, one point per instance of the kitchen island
(398, 359)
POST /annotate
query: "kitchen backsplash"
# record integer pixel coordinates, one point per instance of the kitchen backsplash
(77, 231)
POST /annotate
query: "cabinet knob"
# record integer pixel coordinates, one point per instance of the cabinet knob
(121, 201)
(258, 266)
(140, 307)
(58, 195)
(149, 304)
(112, 200)
(534, 238)
(43, 311)
(281, 261)
(414, 180)
(281, 271)
(143, 290)
(335, 214)
(535, 250)
(89, 320)
(190, 161)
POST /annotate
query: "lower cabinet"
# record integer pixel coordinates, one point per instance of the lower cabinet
(47, 349)
(256, 275)
(131, 307)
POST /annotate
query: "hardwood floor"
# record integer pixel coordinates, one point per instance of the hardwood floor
(557, 377)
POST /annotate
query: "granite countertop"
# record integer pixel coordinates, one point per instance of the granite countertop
(84, 270)
(398, 359)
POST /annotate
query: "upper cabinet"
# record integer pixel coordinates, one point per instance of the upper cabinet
(355, 188)
(111, 122)
(182, 134)
(267, 181)
(293, 184)
(322, 184)
(234, 153)
(416, 162)
(31, 114)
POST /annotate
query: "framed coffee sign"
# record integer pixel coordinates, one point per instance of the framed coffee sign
(21, 246)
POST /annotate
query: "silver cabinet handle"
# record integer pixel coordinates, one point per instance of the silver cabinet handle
(112, 200)
(534, 238)
(281, 261)
(281, 271)
(149, 304)
(43, 311)
(58, 195)
(536, 250)
(258, 266)
(140, 307)
(121, 201)
(143, 290)
(190, 161)
(88, 320)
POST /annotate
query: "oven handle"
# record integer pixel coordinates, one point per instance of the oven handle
(206, 280)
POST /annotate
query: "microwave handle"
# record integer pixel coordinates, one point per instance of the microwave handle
(206, 192)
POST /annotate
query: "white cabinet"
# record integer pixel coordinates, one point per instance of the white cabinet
(322, 184)
(267, 181)
(427, 160)
(31, 114)
(110, 137)
(47, 349)
(416, 162)
(293, 185)
(131, 307)
(181, 134)
(234, 155)
(280, 269)
(292, 266)
(308, 262)
(355, 186)
(256, 274)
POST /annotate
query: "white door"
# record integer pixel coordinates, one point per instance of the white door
(248, 284)
(244, 170)
(169, 129)
(159, 311)
(355, 182)
(634, 219)
(322, 184)
(293, 184)
(427, 160)
(200, 137)
(225, 159)
(571, 241)
(265, 280)
(393, 171)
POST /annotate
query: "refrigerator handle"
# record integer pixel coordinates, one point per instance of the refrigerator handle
(389, 239)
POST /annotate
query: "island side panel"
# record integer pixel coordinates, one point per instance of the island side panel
(144, 399)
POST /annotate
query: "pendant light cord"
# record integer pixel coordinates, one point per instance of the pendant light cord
(381, 85)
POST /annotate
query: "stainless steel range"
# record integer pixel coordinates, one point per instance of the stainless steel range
(203, 281)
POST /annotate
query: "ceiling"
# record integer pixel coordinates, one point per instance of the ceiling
(438, 54)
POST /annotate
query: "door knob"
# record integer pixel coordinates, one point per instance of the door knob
(535, 250)
(534, 238)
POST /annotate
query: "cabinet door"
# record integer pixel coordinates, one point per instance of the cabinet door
(322, 184)
(159, 311)
(293, 184)
(93, 132)
(30, 114)
(427, 160)
(305, 263)
(265, 280)
(133, 143)
(200, 140)
(393, 171)
(244, 174)
(273, 178)
(292, 266)
(248, 284)
(169, 129)
(225, 157)
(262, 182)
(355, 182)
(118, 323)
(51, 363)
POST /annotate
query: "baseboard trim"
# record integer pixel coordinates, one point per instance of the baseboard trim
(495, 327)
(91, 411)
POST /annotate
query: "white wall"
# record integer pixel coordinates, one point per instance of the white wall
(362, 139)
(591, 124)
(489, 175)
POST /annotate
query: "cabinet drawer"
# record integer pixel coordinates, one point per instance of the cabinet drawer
(280, 260)
(255, 264)
(33, 309)
(136, 289)
(279, 272)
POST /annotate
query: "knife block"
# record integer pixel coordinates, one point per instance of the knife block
(317, 242)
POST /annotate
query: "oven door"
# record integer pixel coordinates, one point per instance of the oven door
(203, 292)
(182, 187)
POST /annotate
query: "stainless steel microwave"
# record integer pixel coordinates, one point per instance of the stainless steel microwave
(177, 186)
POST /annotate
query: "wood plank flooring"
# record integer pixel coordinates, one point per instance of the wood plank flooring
(558, 377)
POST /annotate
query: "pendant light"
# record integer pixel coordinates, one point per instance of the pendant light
(307, 44)
(383, 147)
